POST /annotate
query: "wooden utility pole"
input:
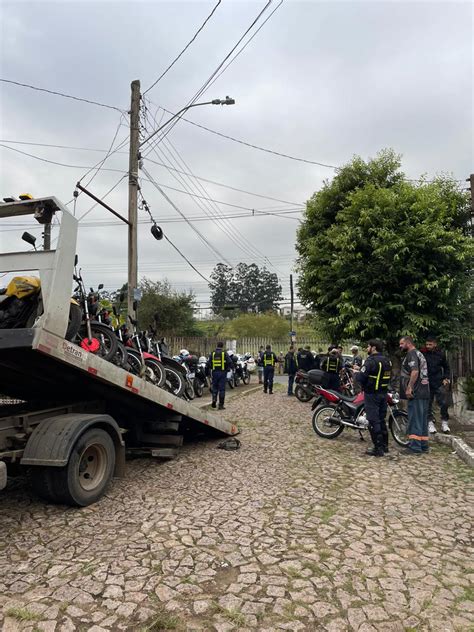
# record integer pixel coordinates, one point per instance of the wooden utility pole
(47, 236)
(291, 306)
(133, 196)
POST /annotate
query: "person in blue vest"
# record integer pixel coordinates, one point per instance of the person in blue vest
(268, 360)
(219, 364)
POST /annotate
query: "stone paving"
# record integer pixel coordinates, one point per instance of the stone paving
(292, 532)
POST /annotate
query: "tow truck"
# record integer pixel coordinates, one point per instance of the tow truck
(76, 415)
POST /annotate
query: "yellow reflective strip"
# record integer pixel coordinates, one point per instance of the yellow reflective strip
(377, 381)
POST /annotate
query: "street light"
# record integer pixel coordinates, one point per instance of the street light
(226, 101)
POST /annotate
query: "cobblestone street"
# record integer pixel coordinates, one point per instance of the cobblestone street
(292, 532)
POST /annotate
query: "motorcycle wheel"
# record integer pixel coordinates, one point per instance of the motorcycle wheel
(189, 391)
(174, 382)
(154, 372)
(302, 394)
(107, 339)
(246, 379)
(323, 425)
(198, 388)
(75, 320)
(121, 357)
(134, 362)
(399, 427)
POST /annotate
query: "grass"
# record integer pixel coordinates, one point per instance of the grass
(327, 513)
(234, 616)
(22, 614)
(468, 595)
(162, 622)
(292, 572)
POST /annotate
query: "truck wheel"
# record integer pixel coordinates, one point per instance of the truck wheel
(89, 471)
(40, 479)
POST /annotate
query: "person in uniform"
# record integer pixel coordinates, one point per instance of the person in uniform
(374, 378)
(268, 360)
(305, 359)
(291, 366)
(219, 363)
(332, 365)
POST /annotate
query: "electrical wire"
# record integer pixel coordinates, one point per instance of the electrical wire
(199, 234)
(145, 206)
(185, 48)
(203, 88)
(231, 61)
(62, 94)
(264, 149)
(160, 164)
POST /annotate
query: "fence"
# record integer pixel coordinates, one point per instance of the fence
(204, 346)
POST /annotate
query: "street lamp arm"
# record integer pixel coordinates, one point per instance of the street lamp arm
(226, 101)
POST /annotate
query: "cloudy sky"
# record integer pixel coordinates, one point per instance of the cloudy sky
(320, 81)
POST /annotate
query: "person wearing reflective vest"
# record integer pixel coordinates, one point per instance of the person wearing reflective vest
(332, 365)
(219, 364)
(374, 378)
(268, 360)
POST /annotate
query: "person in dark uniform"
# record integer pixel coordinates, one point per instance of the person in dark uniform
(332, 365)
(219, 363)
(305, 359)
(374, 377)
(291, 366)
(268, 360)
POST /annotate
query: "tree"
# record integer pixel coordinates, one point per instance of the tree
(380, 256)
(253, 325)
(245, 288)
(169, 312)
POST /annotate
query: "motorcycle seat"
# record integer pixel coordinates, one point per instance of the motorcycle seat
(345, 398)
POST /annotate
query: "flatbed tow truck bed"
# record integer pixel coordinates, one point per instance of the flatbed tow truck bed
(79, 413)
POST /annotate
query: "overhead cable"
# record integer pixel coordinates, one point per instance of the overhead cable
(62, 94)
(185, 48)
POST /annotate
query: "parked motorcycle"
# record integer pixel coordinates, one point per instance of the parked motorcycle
(242, 370)
(334, 411)
(93, 336)
(188, 363)
(200, 380)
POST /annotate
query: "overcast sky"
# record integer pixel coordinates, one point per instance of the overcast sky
(321, 81)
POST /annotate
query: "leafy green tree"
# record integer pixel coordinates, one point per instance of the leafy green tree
(245, 288)
(169, 312)
(380, 256)
(268, 325)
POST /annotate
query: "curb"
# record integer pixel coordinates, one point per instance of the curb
(460, 447)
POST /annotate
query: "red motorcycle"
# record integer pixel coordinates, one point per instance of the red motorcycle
(334, 411)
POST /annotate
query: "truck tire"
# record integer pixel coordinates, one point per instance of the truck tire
(40, 480)
(89, 470)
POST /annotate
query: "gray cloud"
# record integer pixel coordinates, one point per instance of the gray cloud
(321, 80)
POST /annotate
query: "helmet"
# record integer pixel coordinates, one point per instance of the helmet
(184, 353)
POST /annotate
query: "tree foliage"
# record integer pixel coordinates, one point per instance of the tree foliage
(380, 256)
(245, 288)
(168, 311)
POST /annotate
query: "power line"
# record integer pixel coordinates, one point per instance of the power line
(207, 82)
(200, 235)
(62, 94)
(243, 142)
(185, 48)
(160, 164)
(245, 45)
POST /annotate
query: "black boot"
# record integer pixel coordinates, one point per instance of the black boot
(270, 392)
(374, 451)
(221, 403)
(385, 440)
(377, 450)
(214, 403)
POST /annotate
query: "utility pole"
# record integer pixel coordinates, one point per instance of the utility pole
(133, 196)
(47, 236)
(291, 307)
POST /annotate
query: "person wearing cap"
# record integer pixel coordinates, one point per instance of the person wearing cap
(219, 363)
